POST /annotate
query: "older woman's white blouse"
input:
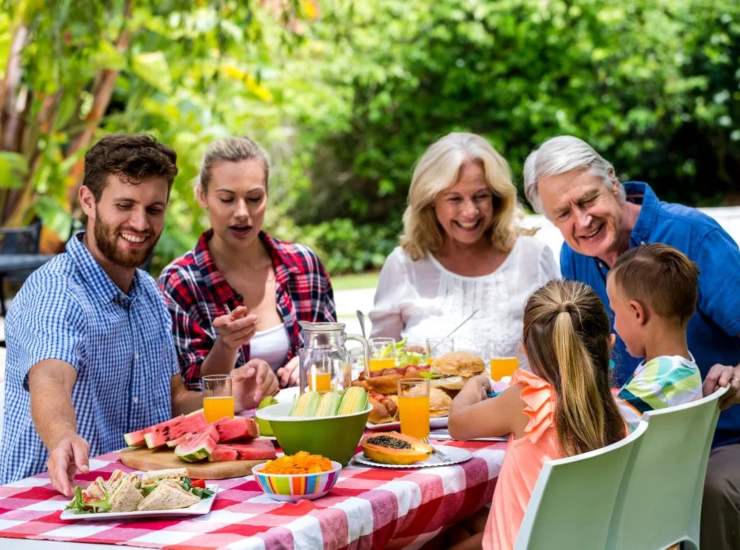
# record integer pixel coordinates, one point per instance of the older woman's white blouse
(421, 299)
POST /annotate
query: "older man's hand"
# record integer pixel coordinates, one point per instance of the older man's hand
(251, 383)
(720, 376)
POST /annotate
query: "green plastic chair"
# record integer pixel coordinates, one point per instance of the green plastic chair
(574, 497)
(660, 500)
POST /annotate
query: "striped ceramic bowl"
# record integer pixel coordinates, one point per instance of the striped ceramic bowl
(297, 486)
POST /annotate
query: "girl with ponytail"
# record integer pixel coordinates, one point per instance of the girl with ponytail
(561, 408)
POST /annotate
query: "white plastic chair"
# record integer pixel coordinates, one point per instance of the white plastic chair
(572, 502)
(659, 503)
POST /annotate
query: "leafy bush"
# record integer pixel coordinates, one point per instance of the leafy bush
(345, 247)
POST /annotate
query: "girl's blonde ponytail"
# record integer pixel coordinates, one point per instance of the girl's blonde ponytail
(580, 415)
(566, 334)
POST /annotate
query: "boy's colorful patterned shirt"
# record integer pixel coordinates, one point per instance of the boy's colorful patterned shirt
(663, 381)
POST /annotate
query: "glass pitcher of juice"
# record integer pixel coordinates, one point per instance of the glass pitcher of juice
(324, 361)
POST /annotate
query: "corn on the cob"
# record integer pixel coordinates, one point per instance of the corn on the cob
(306, 404)
(329, 404)
(354, 400)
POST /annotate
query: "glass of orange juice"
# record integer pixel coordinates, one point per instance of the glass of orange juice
(382, 354)
(413, 406)
(503, 366)
(218, 400)
(319, 378)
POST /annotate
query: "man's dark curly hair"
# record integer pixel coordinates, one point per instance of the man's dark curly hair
(132, 157)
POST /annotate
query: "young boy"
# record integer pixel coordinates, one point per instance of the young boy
(652, 290)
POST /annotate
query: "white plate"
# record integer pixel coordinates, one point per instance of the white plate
(452, 455)
(435, 422)
(197, 509)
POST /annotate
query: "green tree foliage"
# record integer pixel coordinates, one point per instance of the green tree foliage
(346, 96)
(184, 72)
(652, 84)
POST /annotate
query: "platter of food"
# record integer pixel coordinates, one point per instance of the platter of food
(447, 456)
(447, 375)
(396, 450)
(133, 496)
(226, 448)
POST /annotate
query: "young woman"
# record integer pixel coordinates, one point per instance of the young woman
(239, 294)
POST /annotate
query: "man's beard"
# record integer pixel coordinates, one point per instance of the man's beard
(106, 238)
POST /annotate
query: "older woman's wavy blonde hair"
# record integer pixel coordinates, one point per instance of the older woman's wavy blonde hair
(439, 168)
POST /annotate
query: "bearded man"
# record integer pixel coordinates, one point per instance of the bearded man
(89, 340)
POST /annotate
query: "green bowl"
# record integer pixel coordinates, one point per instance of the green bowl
(335, 437)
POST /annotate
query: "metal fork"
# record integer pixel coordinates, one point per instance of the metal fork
(442, 456)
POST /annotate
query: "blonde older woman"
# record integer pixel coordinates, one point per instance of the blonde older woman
(461, 251)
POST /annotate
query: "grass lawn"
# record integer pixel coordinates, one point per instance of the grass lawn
(355, 281)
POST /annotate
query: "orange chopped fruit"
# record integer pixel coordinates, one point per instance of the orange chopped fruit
(299, 463)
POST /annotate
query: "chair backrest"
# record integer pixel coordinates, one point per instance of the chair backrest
(20, 240)
(574, 497)
(660, 500)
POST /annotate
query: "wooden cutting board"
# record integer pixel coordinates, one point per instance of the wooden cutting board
(147, 459)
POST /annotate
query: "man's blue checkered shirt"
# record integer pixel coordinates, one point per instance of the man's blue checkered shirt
(120, 345)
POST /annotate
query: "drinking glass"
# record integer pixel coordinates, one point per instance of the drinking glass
(218, 399)
(503, 366)
(436, 347)
(382, 354)
(356, 362)
(413, 406)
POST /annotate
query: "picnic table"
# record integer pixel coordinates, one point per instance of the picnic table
(367, 508)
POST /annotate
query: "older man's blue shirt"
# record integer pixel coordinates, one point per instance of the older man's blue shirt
(713, 330)
(119, 343)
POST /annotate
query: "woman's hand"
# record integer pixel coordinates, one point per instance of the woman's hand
(288, 374)
(236, 328)
(251, 383)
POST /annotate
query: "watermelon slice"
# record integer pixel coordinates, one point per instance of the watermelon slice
(167, 430)
(135, 439)
(177, 427)
(138, 438)
(197, 447)
(223, 453)
(237, 428)
(257, 449)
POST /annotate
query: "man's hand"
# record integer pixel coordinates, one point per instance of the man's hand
(68, 457)
(720, 376)
(288, 374)
(236, 328)
(251, 383)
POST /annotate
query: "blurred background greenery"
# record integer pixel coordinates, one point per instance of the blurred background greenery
(346, 96)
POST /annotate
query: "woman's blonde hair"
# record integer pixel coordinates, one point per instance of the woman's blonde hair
(439, 168)
(566, 335)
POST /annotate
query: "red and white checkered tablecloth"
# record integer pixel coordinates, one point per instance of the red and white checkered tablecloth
(367, 508)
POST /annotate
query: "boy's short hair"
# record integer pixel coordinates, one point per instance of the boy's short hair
(659, 276)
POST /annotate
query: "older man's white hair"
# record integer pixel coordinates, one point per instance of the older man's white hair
(559, 155)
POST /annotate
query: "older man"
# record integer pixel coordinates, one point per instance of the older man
(600, 218)
(90, 350)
